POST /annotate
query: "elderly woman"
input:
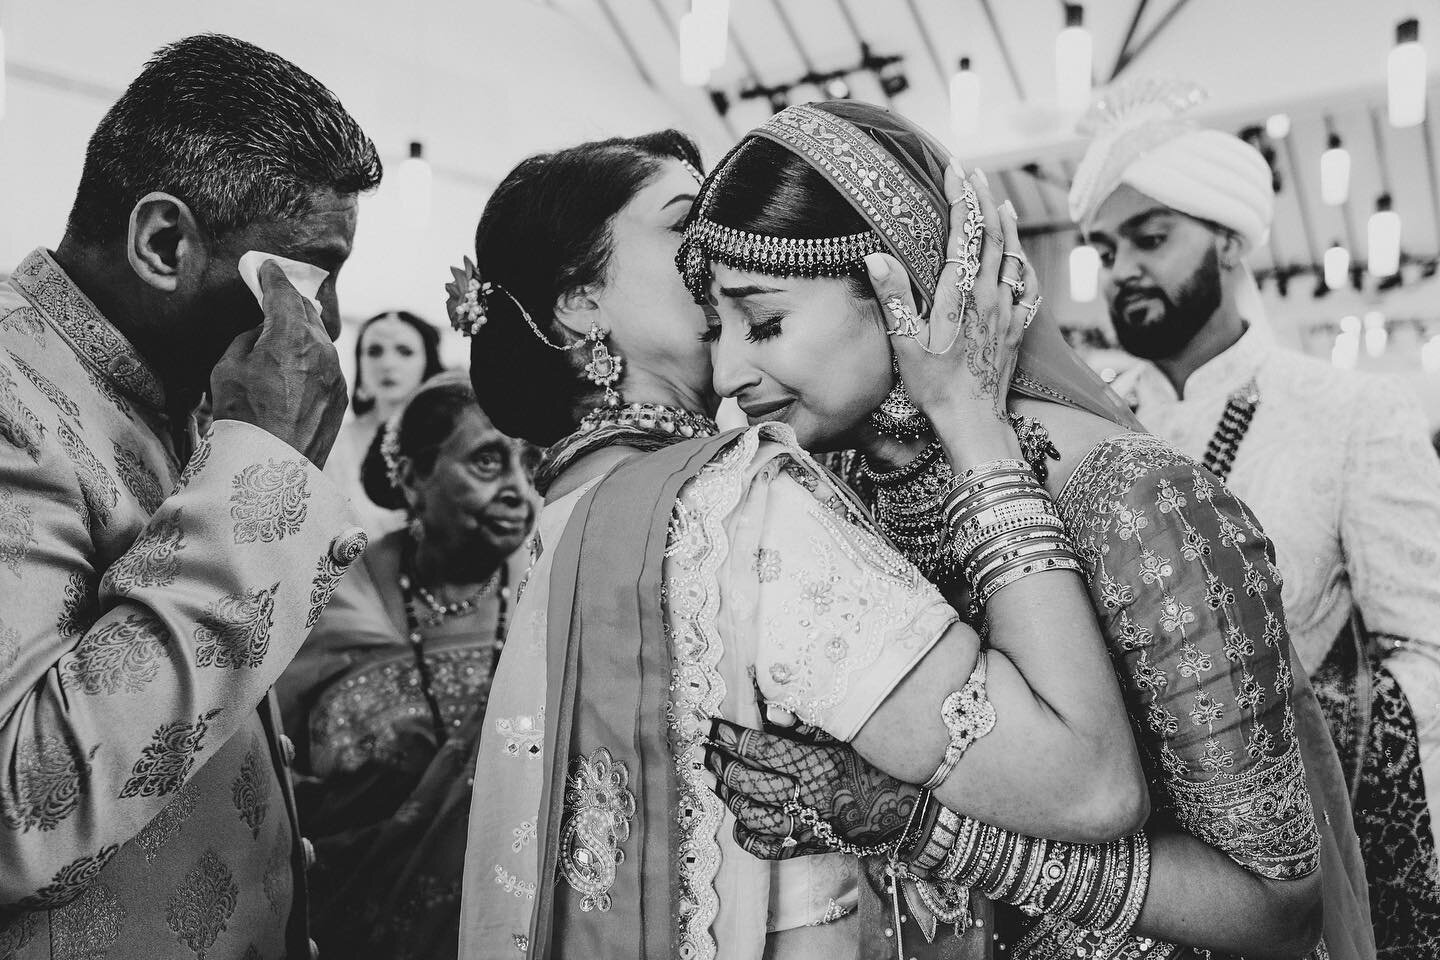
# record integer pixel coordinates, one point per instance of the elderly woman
(395, 677)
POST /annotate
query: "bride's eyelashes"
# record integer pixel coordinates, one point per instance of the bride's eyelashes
(763, 328)
(759, 329)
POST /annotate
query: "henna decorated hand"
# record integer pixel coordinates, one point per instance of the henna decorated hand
(982, 329)
(757, 772)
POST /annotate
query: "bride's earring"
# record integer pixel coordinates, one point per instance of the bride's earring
(604, 367)
(897, 415)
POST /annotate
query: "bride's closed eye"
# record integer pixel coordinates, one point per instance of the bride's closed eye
(763, 328)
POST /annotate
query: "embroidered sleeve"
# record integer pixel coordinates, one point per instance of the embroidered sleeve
(1189, 597)
(839, 616)
(121, 675)
(1390, 518)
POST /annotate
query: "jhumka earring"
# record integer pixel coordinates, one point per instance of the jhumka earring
(604, 367)
(897, 415)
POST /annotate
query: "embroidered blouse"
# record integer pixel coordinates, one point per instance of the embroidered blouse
(769, 573)
(1185, 585)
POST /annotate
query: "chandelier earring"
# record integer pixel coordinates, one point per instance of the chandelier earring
(897, 415)
(603, 368)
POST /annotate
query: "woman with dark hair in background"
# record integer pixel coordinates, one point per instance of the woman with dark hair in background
(684, 576)
(395, 352)
(1181, 575)
(385, 700)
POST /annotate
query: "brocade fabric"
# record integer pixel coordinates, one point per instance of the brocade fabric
(144, 614)
(1339, 469)
(1185, 585)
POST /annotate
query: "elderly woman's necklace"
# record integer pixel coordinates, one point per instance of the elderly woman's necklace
(411, 592)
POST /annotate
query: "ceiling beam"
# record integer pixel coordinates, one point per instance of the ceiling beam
(1306, 227)
(625, 41)
(929, 44)
(1004, 49)
(805, 61)
(1132, 55)
(849, 18)
(1432, 170)
(1129, 35)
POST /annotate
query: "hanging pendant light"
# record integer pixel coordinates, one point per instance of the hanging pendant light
(1335, 172)
(1084, 273)
(1406, 73)
(1074, 54)
(714, 17)
(695, 52)
(1376, 334)
(965, 99)
(1337, 266)
(413, 183)
(1277, 126)
(1384, 237)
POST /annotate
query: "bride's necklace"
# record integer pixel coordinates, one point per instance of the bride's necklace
(907, 507)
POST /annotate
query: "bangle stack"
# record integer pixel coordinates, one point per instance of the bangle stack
(1004, 527)
(1100, 887)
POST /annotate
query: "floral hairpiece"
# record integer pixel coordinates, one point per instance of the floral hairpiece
(468, 294)
(390, 448)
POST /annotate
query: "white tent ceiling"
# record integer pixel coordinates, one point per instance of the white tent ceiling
(485, 83)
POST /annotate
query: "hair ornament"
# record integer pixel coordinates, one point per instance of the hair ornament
(390, 448)
(467, 295)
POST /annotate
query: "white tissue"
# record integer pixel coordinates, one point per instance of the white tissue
(305, 277)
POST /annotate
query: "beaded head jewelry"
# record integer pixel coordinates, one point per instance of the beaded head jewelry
(468, 306)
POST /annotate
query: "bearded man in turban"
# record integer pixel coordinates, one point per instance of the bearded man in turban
(1336, 465)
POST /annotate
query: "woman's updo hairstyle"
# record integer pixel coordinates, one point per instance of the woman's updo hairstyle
(546, 230)
(428, 419)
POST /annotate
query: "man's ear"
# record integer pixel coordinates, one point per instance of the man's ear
(1231, 249)
(164, 242)
(576, 310)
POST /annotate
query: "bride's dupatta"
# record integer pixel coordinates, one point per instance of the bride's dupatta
(609, 884)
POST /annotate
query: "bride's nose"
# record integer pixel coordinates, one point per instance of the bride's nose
(732, 372)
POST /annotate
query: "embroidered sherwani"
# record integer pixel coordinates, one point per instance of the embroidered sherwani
(145, 809)
(1339, 470)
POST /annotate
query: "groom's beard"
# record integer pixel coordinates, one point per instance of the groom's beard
(1152, 326)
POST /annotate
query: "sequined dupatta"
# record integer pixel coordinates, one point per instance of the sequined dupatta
(608, 821)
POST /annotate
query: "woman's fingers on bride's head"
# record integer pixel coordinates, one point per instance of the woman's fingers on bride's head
(993, 245)
(891, 284)
(890, 281)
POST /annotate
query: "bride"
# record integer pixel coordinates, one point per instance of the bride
(1180, 574)
(685, 576)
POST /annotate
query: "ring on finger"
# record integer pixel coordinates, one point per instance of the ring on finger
(907, 322)
(1014, 256)
(1017, 288)
(1030, 310)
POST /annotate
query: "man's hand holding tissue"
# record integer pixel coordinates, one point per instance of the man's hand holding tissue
(284, 376)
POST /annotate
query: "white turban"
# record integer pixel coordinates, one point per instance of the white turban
(1141, 140)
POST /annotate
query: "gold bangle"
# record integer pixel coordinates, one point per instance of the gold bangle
(1046, 565)
(999, 563)
(968, 715)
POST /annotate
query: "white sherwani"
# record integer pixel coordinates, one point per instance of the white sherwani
(1338, 467)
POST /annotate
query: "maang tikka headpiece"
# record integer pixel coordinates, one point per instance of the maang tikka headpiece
(706, 241)
(468, 307)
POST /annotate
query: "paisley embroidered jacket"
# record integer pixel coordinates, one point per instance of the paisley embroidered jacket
(144, 613)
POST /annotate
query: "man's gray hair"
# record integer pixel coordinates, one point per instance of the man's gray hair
(236, 132)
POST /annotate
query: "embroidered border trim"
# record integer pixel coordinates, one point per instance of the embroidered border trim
(871, 180)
